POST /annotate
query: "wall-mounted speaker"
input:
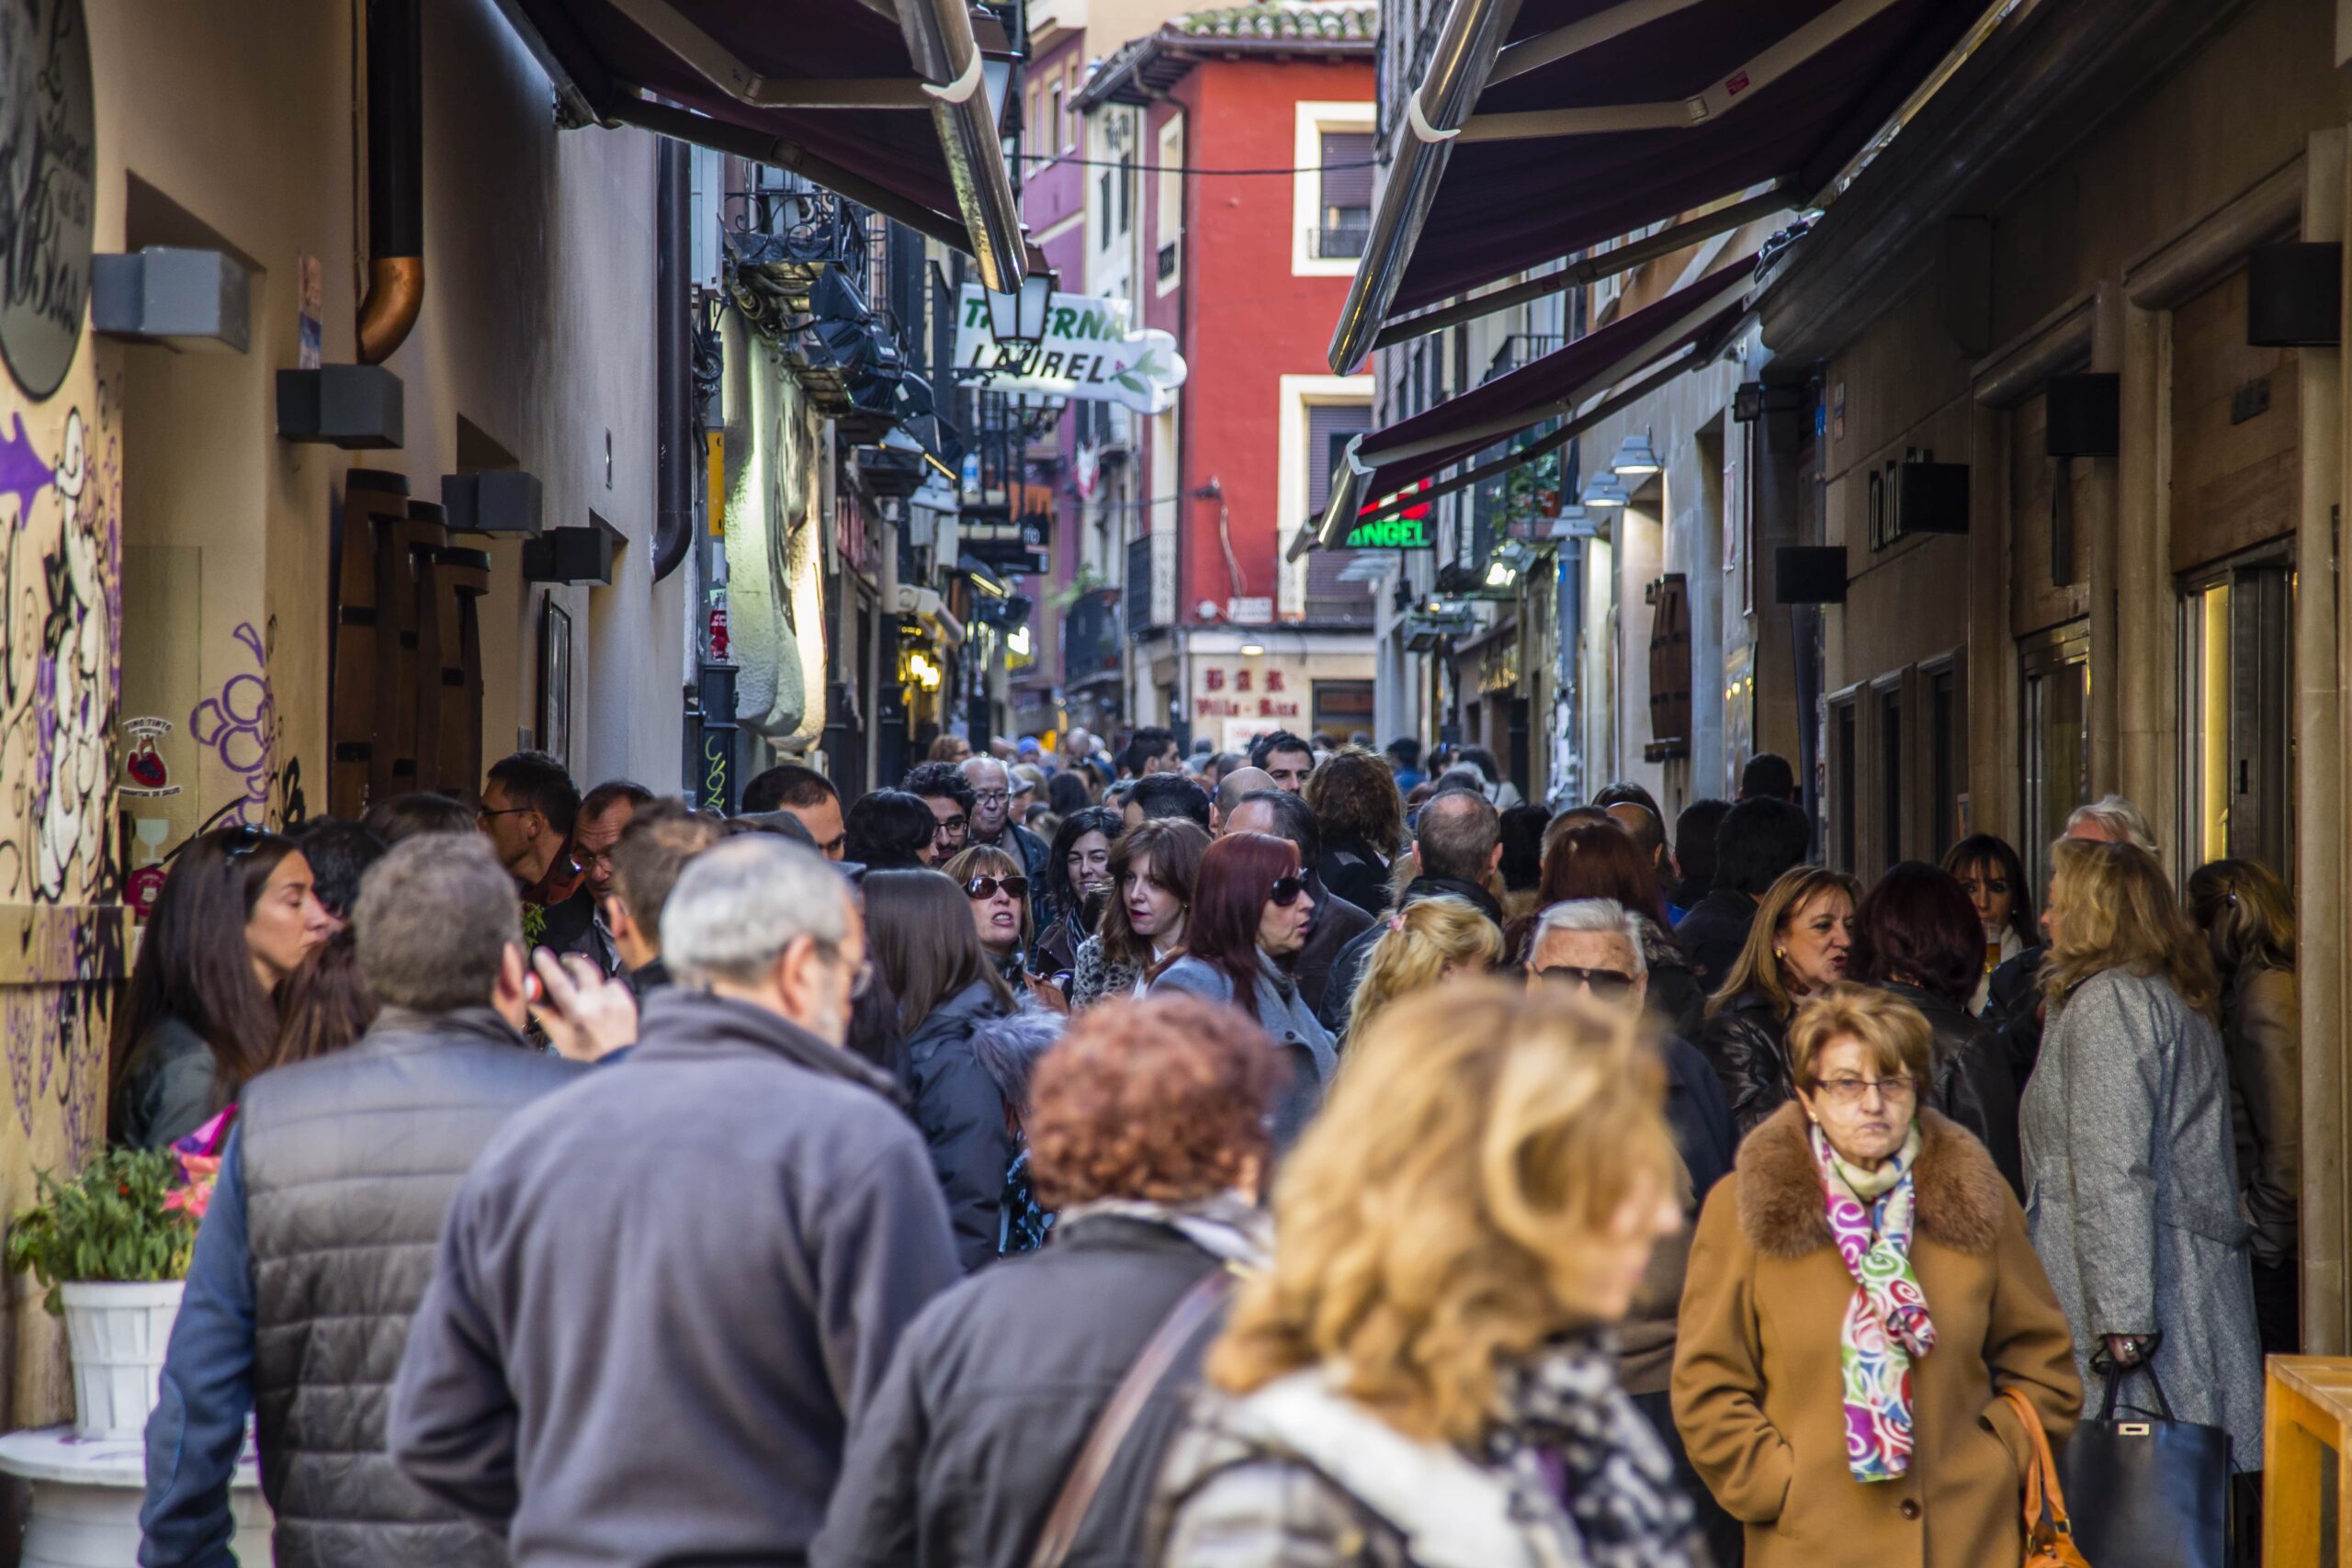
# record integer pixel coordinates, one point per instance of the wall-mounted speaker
(2294, 296)
(1809, 574)
(2086, 415)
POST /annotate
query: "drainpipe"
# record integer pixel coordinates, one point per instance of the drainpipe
(395, 179)
(673, 522)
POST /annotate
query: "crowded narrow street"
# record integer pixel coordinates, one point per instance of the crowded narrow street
(1134, 783)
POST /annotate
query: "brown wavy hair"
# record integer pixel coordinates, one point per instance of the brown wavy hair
(1354, 794)
(2247, 914)
(1174, 846)
(1438, 1218)
(1759, 969)
(1163, 1099)
(2111, 907)
(1600, 860)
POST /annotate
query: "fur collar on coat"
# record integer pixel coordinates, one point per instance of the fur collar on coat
(1959, 1192)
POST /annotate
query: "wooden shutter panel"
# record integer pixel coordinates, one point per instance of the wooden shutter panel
(1669, 669)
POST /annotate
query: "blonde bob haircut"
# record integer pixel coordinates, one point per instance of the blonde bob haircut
(1421, 940)
(1896, 1035)
(2110, 908)
(1440, 1216)
(1758, 968)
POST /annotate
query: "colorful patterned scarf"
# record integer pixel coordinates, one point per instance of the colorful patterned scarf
(1886, 1325)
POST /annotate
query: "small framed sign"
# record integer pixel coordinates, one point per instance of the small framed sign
(555, 681)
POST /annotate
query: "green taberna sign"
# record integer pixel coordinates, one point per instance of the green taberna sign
(1390, 534)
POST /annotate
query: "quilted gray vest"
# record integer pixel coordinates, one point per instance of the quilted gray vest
(350, 1162)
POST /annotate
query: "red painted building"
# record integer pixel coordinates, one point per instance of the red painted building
(1248, 271)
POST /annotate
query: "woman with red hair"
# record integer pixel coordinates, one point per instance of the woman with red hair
(1251, 916)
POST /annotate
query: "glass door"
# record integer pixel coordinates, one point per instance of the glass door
(2237, 730)
(2057, 759)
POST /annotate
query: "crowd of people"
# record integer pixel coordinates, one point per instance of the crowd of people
(1296, 1156)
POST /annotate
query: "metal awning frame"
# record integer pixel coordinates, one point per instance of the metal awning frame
(947, 59)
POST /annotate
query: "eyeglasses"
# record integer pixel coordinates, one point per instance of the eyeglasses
(990, 797)
(483, 813)
(1852, 1091)
(861, 979)
(1285, 892)
(987, 886)
(1608, 984)
(952, 828)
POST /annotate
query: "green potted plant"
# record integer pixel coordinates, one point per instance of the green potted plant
(111, 1245)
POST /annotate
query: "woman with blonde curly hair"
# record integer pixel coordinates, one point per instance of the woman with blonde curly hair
(1428, 941)
(1428, 1359)
(2130, 1163)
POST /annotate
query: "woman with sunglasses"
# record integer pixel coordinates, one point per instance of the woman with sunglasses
(1860, 1297)
(237, 914)
(1154, 871)
(996, 886)
(919, 930)
(1250, 916)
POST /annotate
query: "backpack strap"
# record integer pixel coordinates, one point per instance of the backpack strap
(1192, 1311)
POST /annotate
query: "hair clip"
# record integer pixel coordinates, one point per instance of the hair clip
(1396, 922)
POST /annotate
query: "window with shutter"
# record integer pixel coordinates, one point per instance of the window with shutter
(1345, 206)
(1669, 669)
(1330, 428)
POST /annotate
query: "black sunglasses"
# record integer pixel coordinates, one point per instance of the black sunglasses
(1608, 984)
(243, 839)
(986, 886)
(1285, 892)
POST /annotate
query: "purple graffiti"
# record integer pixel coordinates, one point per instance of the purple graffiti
(239, 724)
(24, 472)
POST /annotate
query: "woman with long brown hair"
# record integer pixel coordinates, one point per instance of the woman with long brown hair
(1430, 1360)
(237, 914)
(1250, 912)
(920, 931)
(1798, 944)
(2126, 1128)
(2249, 918)
(1154, 868)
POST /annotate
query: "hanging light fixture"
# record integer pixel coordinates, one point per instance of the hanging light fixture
(1605, 491)
(1017, 320)
(1635, 460)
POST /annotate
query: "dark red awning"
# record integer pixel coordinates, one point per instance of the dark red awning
(1645, 110)
(832, 88)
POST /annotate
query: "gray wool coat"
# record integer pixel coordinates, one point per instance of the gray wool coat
(2131, 1199)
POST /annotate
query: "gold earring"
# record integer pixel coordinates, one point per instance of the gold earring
(1780, 952)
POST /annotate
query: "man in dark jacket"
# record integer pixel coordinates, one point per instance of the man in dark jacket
(1759, 839)
(1459, 840)
(1334, 922)
(661, 1290)
(319, 1241)
(529, 810)
(992, 822)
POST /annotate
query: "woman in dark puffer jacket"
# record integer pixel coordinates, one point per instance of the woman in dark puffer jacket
(1919, 937)
(1147, 1129)
(1800, 943)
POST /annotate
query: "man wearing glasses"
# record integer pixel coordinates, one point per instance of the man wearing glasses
(951, 801)
(1592, 948)
(992, 824)
(529, 811)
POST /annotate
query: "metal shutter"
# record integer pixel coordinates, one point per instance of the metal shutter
(1346, 187)
(1330, 428)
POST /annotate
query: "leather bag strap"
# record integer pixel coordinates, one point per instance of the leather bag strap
(1185, 1320)
(2041, 1474)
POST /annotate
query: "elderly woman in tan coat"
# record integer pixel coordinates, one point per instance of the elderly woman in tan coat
(1867, 1253)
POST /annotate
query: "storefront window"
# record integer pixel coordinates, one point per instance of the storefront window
(2057, 740)
(2237, 761)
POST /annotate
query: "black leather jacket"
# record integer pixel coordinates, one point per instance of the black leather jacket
(1972, 1079)
(1746, 1042)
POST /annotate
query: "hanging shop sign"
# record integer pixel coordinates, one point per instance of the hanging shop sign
(1391, 534)
(1088, 353)
(48, 188)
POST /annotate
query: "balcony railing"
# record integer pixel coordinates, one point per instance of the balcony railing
(1521, 348)
(1343, 243)
(1167, 261)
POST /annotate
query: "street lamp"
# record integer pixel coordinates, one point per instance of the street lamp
(1017, 320)
(1605, 491)
(1634, 459)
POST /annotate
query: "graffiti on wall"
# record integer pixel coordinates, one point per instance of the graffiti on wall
(240, 725)
(60, 664)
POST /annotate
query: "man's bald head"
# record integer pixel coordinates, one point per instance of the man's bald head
(1460, 834)
(1232, 787)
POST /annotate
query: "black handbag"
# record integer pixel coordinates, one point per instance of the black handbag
(2149, 1491)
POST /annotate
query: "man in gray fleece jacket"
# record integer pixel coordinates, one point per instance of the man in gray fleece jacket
(662, 1290)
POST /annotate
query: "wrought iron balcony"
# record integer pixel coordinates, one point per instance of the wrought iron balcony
(1343, 241)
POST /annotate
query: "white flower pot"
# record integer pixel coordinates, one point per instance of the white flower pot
(117, 1334)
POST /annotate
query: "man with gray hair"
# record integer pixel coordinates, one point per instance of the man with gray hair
(992, 824)
(319, 1241)
(2112, 819)
(661, 1291)
(1592, 948)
